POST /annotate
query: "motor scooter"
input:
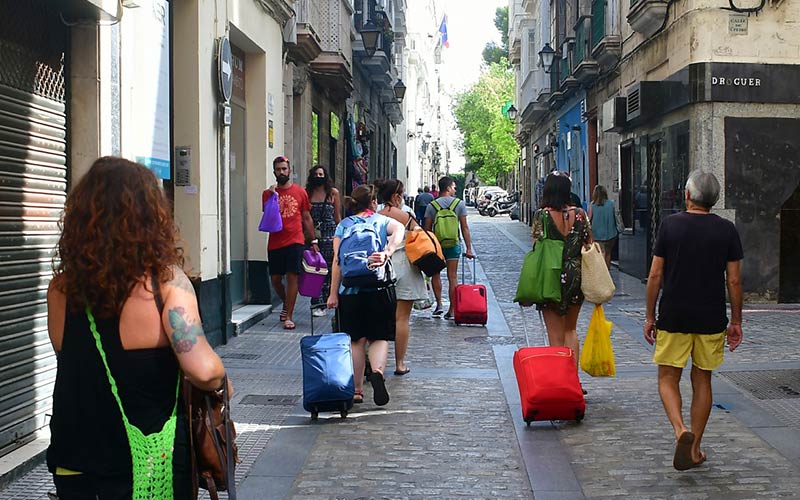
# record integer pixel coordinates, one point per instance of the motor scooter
(501, 205)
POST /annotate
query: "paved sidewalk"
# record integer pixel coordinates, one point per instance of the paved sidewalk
(453, 427)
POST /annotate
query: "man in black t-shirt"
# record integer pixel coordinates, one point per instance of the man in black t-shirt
(696, 255)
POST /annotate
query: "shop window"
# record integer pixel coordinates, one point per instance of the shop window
(675, 169)
(626, 191)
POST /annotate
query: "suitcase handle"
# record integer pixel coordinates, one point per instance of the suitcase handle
(463, 266)
(525, 327)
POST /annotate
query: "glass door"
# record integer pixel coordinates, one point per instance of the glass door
(238, 211)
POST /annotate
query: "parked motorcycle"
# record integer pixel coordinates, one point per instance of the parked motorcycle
(501, 205)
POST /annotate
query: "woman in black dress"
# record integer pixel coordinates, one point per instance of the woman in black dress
(326, 212)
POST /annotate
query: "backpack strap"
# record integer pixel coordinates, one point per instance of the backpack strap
(436, 205)
(455, 203)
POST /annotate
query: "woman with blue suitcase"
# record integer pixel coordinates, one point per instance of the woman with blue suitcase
(362, 286)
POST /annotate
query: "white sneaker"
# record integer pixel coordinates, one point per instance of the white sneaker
(319, 312)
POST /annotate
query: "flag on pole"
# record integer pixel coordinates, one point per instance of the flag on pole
(443, 31)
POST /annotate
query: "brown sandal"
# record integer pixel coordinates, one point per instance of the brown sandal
(358, 397)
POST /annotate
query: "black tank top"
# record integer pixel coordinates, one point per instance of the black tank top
(87, 433)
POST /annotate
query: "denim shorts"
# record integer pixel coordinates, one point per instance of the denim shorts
(452, 253)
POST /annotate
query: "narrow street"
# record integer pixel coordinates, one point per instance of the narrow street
(453, 427)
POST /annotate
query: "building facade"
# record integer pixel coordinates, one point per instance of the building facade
(640, 93)
(191, 89)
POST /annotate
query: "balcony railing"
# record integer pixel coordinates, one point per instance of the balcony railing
(564, 68)
(308, 12)
(598, 21)
(581, 39)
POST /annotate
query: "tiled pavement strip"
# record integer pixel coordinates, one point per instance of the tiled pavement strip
(453, 429)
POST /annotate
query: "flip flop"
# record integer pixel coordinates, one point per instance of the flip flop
(379, 393)
(289, 325)
(400, 373)
(683, 452)
(283, 315)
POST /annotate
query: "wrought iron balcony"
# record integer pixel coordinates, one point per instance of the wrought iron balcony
(586, 68)
(606, 39)
(556, 98)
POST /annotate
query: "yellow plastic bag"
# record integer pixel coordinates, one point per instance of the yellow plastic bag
(597, 355)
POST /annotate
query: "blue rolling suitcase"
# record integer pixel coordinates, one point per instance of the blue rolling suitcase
(327, 373)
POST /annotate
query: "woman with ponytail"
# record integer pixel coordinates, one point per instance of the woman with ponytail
(367, 314)
(410, 285)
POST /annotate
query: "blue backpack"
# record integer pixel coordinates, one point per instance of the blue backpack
(359, 241)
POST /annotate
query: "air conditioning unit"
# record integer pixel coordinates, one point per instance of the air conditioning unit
(644, 100)
(614, 114)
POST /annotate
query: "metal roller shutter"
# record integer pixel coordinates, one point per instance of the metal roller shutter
(33, 182)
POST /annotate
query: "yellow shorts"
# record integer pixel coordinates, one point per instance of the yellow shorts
(673, 349)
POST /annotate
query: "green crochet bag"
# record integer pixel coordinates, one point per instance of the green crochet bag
(540, 277)
(152, 454)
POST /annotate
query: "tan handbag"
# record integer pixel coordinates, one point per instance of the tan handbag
(596, 283)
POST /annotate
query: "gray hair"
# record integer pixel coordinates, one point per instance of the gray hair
(703, 188)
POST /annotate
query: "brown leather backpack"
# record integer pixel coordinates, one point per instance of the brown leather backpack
(212, 436)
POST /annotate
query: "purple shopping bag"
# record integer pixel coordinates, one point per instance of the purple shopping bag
(271, 221)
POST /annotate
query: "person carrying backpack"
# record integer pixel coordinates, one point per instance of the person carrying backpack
(362, 286)
(446, 216)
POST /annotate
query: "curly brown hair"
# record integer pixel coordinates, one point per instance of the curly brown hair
(117, 227)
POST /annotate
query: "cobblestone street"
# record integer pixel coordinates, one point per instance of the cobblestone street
(453, 427)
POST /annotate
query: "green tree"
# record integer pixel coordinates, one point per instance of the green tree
(489, 146)
(493, 53)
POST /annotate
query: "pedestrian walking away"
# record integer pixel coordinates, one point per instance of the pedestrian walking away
(363, 289)
(285, 248)
(605, 229)
(326, 213)
(567, 222)
(118, 428)
(421, 203)
(447, 217)
(696, 255)
(410, 284)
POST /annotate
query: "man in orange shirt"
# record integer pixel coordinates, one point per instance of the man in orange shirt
(285, 248)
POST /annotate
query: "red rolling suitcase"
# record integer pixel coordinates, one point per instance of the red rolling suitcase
(549, 388)
(470, 301)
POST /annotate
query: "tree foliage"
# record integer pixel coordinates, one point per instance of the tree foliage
(489, 146)
(493, 53)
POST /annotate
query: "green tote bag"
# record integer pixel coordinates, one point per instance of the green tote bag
(540, 277)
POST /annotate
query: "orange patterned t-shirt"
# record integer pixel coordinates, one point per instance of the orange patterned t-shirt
(293, 201)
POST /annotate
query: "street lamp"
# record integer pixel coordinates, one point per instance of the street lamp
(419, 124)
(546, 56)
(512, 113)
(369, 35)
(399, 90)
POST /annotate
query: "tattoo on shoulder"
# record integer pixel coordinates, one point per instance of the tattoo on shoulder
(186, 331)
(180, 280)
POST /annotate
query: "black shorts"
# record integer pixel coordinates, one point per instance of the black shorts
(369, 315)
(285, 260)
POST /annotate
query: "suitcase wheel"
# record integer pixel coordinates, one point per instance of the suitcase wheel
(314, 415)
(458, 324)
(578, 415)
(528, 423)
(343, 411)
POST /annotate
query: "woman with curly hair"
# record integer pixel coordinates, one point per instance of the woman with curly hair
(124, 322)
